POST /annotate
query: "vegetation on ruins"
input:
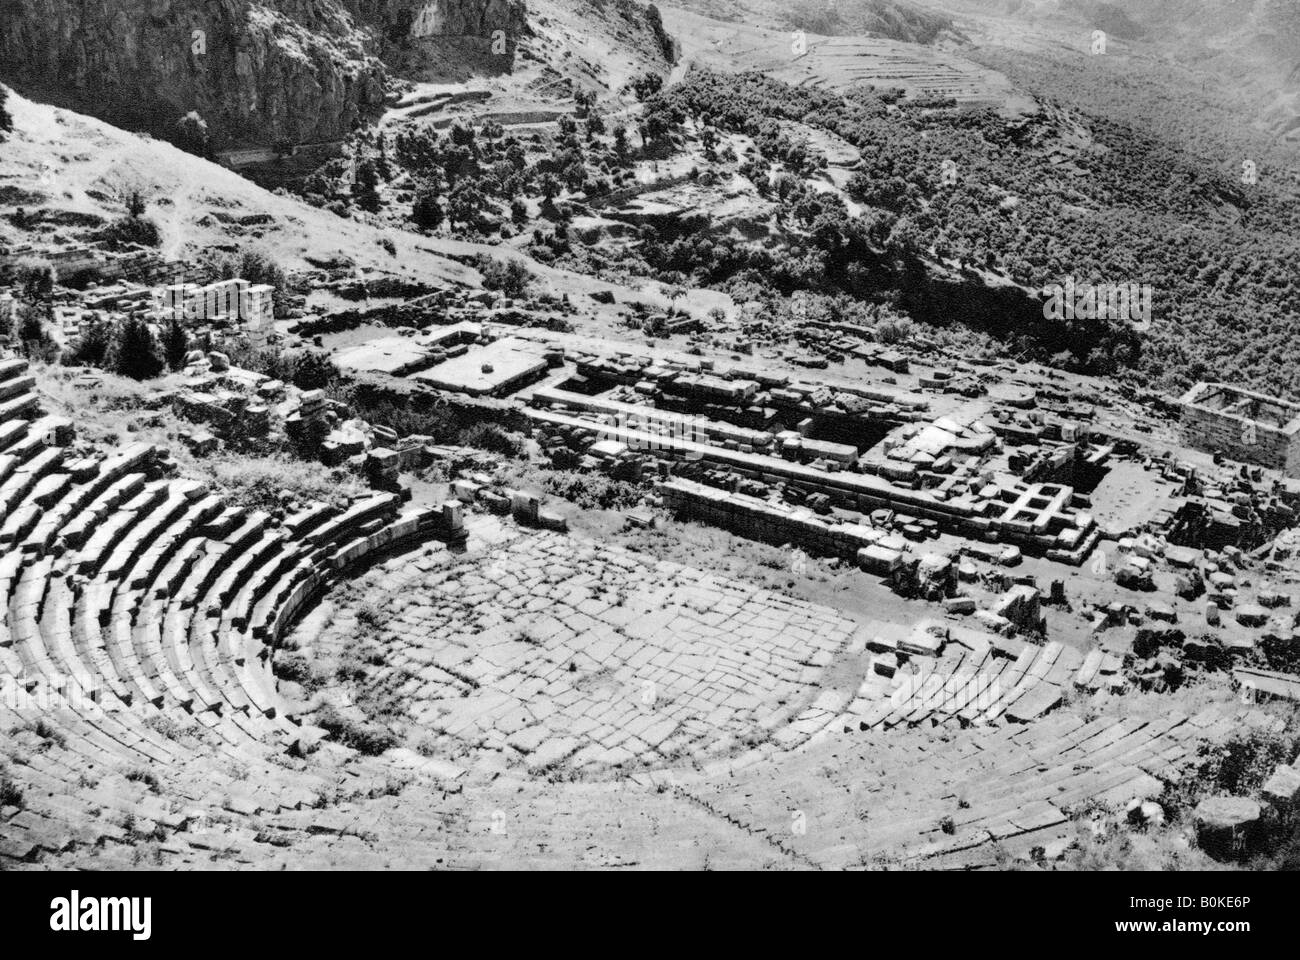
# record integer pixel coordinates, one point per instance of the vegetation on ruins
(306, 369)
(11, 795)
(370, 739)
(489, 436)
(264, 483)
(591, 491)
(1237, 766)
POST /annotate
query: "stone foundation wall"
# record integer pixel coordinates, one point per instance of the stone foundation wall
(1212, 430)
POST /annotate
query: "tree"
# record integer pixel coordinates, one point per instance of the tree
(34, 336)
(135, 353)
(464, 206)
(518, 212)
(192, 135)
(709, 140)
(175, 344)
(459, 162)
(462, 136)
(654, 129)
(31, 329)
(6, 121)
(135, 205)
(426, 211)
(646, 85)
(92, 344)
(312, 370)
(510, 277)
(365, 185)
(549, 186)
(37, 279)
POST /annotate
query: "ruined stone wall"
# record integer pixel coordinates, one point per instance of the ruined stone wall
(765, 522)
(1212, 430)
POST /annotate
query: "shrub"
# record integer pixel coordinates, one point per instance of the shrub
(296, 668)
(47, 732)
(436, 422)
(305, 369)
(312, 370)
(147, 777)
(1239, 765)
(256, 483)
(138, 230)
(489, 436)
(371, 739)
(893, 331)
(370, 616)
(591, 491)
(10, 793)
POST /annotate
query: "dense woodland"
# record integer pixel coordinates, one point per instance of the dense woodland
(1069, 193)
(1132, 172)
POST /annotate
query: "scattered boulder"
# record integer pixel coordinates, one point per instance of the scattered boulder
(1283, 788)
(1134, 578)
(1252, 615)
(1144, 813)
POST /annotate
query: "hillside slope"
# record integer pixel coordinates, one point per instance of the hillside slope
(58, 160)
(302, 71)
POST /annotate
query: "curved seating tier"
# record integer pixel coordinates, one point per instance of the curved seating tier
(135, 602)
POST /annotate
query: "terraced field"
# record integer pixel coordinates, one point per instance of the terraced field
(838, 63)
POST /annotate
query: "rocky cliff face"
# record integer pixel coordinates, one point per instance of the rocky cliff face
(299, 70)
(445, 39)
(406, 22)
